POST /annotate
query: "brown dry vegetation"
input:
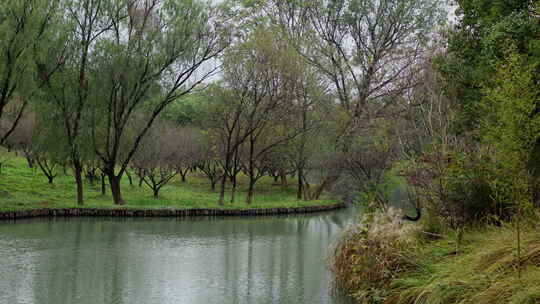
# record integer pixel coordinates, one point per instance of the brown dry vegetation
(368, 256)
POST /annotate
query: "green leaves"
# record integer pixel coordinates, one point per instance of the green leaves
(25, 30)
(512, 121)
(480, 42)
(511, 126)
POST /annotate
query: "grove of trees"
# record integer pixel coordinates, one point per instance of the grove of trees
(352, 97)
(160, 88)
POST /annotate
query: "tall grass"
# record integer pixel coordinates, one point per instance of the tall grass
(487, 272)
(400, 267)
(371, 254)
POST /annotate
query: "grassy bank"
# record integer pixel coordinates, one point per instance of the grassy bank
(22, 188)
(483, 269)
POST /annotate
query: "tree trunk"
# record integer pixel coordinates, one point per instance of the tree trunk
(321, 188)
(306, 188)
(30, 162)
(249, 198)
(183, 175)
(77, 168)
(234, 171)
(114, 181)
(222, 189)
(251, 173)
(299, 190)
(213, 184)
(233, 189)
(46, 169)
(129, 178)
(224, 177)
(103, 188)
(90, 175)
(283, 177)
(156, 192)
(318, 193)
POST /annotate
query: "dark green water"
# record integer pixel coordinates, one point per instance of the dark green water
(162, 261)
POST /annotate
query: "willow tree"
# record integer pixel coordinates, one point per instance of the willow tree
(24, 27)
(66, 92)
(155, 52)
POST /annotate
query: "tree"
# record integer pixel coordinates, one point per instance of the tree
(369, 160)
(149, 59)
(511, 125)
(188, 150)
(68, 90)
(475, 45)
(222, 111)
(257, 70)
(25, 26)
(427, 143)
(156, 158)
(209, 162)
(48, 166)
(22, 138)
(311, 106)
(367, 49)
(40, 144)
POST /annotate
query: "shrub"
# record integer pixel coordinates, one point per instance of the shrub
(370, 254)
(456, 187)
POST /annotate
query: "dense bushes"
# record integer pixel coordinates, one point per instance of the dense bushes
(455, 188)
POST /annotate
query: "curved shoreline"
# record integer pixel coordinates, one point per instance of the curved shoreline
(96, 212)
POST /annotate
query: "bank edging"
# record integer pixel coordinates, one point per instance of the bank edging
(124, 212)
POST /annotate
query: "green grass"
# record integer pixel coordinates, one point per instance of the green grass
(484, 271)
(22, 188)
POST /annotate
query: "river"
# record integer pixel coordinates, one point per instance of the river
(167, 260)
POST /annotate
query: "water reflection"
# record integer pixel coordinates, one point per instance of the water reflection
(199, 260)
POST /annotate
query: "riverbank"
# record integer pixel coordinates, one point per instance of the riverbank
(123, 212)
(24, 192)
(483, 270)
(480, 266)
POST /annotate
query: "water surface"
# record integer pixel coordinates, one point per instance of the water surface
(164, 260)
